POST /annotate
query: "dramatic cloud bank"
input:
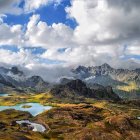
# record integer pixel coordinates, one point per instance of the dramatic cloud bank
(106, 31)
(10, 6)
(13, 6)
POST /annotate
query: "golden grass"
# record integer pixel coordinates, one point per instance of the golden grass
(100, 104)
(130, 87)
(66, 105)
(40, 97)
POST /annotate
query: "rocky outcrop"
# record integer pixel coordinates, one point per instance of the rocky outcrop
(36, 83)
(76, 88)
(105, 93)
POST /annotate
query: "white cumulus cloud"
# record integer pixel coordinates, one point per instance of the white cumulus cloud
(106, 31)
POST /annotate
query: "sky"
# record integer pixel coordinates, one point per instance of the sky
(49, 37)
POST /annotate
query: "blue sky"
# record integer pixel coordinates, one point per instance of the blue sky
(49, 14)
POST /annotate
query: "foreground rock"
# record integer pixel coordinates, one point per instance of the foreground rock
(31, 126)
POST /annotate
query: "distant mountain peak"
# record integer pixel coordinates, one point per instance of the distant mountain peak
(81, 69)
(105, 65)
(14, 77)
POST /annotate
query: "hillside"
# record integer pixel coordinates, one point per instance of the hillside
(77, 89)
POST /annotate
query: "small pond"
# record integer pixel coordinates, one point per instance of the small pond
(36, 127)
(34, 108)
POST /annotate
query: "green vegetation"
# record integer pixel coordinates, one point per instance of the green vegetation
(26, 106)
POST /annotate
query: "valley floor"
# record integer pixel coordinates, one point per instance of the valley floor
(67, 120)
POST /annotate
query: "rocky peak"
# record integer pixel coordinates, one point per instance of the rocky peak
(106, 66)
(16, 71)
(81, 69)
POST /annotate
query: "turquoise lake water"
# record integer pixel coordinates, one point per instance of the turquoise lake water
(35, 108)
(3, 94)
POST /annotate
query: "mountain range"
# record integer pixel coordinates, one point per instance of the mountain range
(89, 73)
(17, 80)
(124, 82)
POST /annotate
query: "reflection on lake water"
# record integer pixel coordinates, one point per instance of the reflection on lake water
(36, 127)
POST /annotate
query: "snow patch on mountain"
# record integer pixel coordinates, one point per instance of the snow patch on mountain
(90, 78)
